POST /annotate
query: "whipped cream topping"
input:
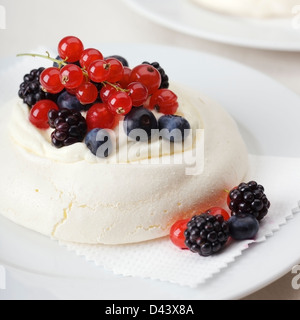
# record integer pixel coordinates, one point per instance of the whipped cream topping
(69, 195)
(38, 141)
(252, 8)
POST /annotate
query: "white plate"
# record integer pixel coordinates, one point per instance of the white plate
(186, 17)
(267, 114)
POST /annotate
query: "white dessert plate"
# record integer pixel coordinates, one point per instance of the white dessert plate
(267, 114)
(187, 17)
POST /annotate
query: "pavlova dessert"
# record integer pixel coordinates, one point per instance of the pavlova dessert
(100, 153)
(251, 8)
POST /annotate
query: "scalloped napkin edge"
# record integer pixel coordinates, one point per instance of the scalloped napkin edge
(160, 260)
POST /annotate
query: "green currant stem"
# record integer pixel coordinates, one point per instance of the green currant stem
(227, 191)
(115, 86)
(59, 62)
(64, 63)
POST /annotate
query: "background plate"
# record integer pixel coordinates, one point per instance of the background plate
(186, 17)
(267, 114)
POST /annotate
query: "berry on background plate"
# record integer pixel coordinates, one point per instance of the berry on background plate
(217, 210)
(249, 198)
(206, 234)
(243, 226)
(177, 233)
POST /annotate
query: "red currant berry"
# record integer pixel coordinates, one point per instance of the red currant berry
(138, 93)
(124, 82)
(70, 49)
(148, 76)
(164, 101)
(84, 80)
(177, 233)
(119, 103)
(116, 70)
(118, 118)
(71, 76)
(216, 210)
(87, 93)
(106, 91)
(98, 71)
(72, 91)
(99, 116)
(50, 80)
(39, 113)
(88, 56)
(147, 103)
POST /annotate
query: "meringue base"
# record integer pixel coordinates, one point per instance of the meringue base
(103, 202)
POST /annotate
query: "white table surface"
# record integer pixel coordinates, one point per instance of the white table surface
(30, 23)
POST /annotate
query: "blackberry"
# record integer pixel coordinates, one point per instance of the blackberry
(206, 234)
(31, 91)
(70, 127)
(164, 78)
(249, 198)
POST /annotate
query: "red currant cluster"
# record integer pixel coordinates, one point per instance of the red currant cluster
(107, 87)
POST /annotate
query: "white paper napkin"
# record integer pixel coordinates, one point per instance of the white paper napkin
(161, 260)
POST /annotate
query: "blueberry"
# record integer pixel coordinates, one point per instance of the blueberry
(139, 123)
(243, 226)
(70, 102)
(121, 59)
(55, 64)
(173, 128)
(99, 142)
